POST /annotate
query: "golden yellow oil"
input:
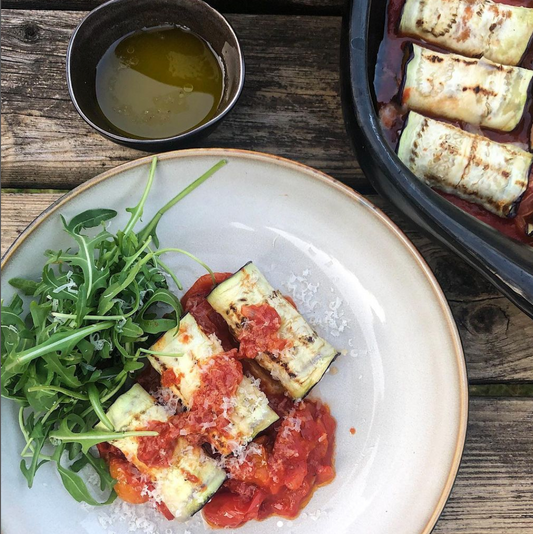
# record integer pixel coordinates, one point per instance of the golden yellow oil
(158, 82)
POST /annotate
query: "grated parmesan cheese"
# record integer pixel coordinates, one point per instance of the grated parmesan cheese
(228, 404)
(314, 516)
(290, 424)
(306, 295)
(255, 381)
(96, 342)
(120, 324)
(144, 519)
(70, 287)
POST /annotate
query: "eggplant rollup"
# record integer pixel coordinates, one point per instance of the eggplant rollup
(192, 477)
(472, 167)
(250, 412)
(476, 91)
(305, 359)
(474, 28)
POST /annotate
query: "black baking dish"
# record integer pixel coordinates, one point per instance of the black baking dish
(506, 263)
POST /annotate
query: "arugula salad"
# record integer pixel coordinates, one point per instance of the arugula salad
(96, 309)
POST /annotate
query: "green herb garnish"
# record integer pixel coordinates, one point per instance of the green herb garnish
(87, 331)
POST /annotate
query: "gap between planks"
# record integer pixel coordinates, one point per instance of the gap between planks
(496, 335)
(496, 389)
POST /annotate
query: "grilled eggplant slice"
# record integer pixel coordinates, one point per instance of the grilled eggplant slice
(182, 493)
(251, 413)
(474, 28)
(469, 166)
(476, 91)
(299, 366)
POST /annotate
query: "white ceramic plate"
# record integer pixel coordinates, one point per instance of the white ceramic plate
(401, 383)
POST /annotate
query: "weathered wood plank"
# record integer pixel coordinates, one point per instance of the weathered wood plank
(227, 6)
(18, 210)
(493, 492)
(496, 335)
(290, 105)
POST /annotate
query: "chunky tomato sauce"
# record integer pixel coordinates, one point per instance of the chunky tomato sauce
(260, 332)
(279, 470)
(131, 485)
(208, 417)
(195, 303)
(157, 451)
(388, 85)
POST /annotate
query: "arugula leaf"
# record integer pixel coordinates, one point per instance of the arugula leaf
(35, 435)
(137, 211)
(55, 342)
(65, 374)
(131, 330)
(55, 287)
(156, 326)
(85, 258)
(123, 281)
(90, 219)
(81, 304)
(78, 489)
(99, 465)
(16, 305)
(90, 438)
(28, 287)
(94, 399)
(41, 399)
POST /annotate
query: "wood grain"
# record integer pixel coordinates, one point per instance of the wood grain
(290, 105)
(496, 335)
(493, 492)
(321, 7)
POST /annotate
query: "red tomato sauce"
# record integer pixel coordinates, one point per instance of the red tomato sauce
(195, 303)
(131, 485)
(279, 470)
(388, 85)
(169, 378)
(514, 228)
(206, 420)
(157, 451)
(208, 416)
(260, 332)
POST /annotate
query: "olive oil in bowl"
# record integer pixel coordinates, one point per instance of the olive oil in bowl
(159, 82)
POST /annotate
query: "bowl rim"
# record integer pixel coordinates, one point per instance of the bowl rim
(146, 143)
(356, 198)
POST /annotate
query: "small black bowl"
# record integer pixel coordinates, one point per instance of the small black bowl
(117, 18)
(506, 263)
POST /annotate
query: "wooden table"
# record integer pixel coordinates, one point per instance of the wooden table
(291, 107)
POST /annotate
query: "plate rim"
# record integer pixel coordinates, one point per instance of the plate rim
(354, 197)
